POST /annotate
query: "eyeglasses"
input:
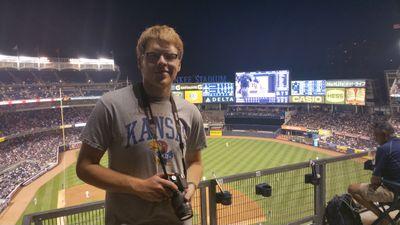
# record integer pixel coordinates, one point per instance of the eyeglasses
(153, 57)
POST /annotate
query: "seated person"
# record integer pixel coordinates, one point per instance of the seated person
(387, 166)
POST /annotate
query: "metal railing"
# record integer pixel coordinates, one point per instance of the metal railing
(292, 201)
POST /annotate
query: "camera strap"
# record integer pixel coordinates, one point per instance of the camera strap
(144, 102)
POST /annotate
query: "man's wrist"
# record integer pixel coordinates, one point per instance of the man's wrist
(192, 183)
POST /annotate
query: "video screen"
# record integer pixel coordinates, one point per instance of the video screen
(262, 87)
(308, 87)
(355, 96)
(218, 92)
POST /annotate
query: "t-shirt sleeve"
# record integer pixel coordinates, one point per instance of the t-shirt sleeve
(380, 160)
(97, 132)
(197, 136)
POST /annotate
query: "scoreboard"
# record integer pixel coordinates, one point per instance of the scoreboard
(262, 87)
(218, 92)
(308, 87)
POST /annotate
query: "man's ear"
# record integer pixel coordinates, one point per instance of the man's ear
(179, 66)
(139, 62)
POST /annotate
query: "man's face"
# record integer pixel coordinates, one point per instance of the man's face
(159, 64)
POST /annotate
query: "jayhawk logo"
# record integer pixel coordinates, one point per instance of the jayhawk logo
(163, 146)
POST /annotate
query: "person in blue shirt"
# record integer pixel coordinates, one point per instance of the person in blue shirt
(387, 166)
(244, 81)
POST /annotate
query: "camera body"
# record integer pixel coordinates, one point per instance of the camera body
(369, 165)
(183, 209)
(178, 181)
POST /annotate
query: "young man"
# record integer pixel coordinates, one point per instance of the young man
(136, 189)
(387, 166)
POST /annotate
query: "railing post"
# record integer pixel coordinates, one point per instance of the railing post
(319, 195)
(212, 202)
(203, 205)
(37, 221)
(27, 220)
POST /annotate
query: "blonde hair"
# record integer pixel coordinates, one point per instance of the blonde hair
(159, 33)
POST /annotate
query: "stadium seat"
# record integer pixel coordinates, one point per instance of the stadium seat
(389, 207)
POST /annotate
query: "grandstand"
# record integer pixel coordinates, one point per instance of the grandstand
(33, 91)
(44, 103)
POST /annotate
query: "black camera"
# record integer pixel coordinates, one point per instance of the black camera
(183, 209)
(369, 165)
(314, 177)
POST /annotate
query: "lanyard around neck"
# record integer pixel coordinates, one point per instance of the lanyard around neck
(143, 98)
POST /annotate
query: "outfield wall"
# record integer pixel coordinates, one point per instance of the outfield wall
(244, 133)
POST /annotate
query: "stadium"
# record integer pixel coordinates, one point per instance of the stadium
(298, 100)
(263, 129)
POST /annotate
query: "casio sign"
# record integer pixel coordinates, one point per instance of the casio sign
(307, 99)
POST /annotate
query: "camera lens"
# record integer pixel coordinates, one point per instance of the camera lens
(187, 212)
(183, 209)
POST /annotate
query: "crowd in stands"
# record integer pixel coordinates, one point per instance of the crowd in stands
(395, 121)
(348, 128)
(23, 158)
(31, 147)
(354, 143)
(11, 179)
(19, 122)
(343, 122)
(32, 91)
(212, 116)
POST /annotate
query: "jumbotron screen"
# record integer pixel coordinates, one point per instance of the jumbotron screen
(218, 92)
(355, 96)
(262, 87)
(308, 87)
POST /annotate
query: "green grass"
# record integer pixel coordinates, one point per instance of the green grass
(245, 155)
(241, 155)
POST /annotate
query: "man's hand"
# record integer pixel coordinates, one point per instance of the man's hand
(375, 182)
(153, 189)
(190, 191)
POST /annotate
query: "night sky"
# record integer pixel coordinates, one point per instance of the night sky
(313, 39)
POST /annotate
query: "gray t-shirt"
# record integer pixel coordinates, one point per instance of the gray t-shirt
(119, 125)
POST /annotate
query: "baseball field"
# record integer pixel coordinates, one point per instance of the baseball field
(223, 156)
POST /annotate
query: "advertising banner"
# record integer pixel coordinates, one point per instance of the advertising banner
(194, 96)
(215, 133)
(179, 94)
(286, 127)
(306, 99)
(335, 96)
(355, 96)
(323, 132)
(188, 86)
(345, 83)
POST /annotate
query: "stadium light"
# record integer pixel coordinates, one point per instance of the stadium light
(85, 60)
(107, 61)
(8, 57)
(74, 61)
(101, 61)
(44, 60)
